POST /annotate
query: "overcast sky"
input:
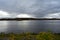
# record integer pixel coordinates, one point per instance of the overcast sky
(39, 8)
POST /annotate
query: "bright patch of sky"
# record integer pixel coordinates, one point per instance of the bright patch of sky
(25, 16)
(55, 15)
(4, 14)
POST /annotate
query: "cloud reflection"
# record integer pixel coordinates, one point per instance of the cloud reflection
(24, 24)
(3, 26)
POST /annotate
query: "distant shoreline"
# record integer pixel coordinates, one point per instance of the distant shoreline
(20, 19)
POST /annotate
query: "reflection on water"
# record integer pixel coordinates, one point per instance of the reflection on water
(3, 26)
(30, 26)
(23, 24)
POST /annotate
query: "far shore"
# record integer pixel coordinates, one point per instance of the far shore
(20, 19)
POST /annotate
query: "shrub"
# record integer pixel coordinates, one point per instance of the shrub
(45, 36)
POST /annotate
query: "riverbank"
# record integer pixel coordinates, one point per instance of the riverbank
(30, 36)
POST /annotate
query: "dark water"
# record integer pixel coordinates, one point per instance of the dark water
(30, 26)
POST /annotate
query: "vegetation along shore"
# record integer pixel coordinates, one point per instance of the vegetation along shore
(30, 36)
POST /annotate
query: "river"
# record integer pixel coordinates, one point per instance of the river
(30, 26)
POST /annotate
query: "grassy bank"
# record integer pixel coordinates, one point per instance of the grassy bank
(30, 36)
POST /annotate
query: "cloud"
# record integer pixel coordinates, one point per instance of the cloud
(4, 14)
(25, 16)
(54, 15)
(33, 7)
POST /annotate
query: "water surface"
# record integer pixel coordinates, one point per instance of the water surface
(30, 26)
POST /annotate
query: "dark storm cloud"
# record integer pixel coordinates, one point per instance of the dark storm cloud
(34, 7)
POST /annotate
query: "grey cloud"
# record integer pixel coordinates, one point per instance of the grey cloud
(34, 7)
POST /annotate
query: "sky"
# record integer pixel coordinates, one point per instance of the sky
(38, 8)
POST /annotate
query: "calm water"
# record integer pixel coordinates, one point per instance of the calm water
(30, 26)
